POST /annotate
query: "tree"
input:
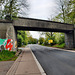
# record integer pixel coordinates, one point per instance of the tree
(71, 14)
(63, 9)
(22, 37)
(1, 10)
(66, 11)
(35, 41)
(20, 40)
(49, 36)
(41, 40)
(12, 8)
(23, 34)
(59, 38)
(32, 40)
(24, 7)
(28, 34)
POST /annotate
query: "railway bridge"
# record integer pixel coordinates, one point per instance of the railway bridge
(8, 29)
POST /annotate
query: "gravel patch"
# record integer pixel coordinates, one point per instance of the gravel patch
(5, 66)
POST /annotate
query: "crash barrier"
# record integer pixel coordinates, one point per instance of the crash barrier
(6, 44)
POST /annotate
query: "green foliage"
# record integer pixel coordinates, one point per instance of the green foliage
(71, 14)
(46, 41)
(41, 40)
(35, 41)
(32, 40)
(12, 8)
(25, 38)
(59, 38)
(22, 38)
(67, 14)
(60, 46)
(6, 55)
(49, 36)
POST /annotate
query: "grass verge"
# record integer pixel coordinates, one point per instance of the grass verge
(74, 49)
(59, 46)
(6, 55)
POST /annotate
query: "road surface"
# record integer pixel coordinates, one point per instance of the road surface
(55, 62)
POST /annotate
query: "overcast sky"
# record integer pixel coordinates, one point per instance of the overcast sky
(41, 9)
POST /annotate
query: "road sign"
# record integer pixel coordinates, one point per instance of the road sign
(50, 41)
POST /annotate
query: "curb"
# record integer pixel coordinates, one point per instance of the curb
(13, 68)
(63, 49)
(38, 64)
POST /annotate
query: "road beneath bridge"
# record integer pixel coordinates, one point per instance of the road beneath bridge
(54, 61)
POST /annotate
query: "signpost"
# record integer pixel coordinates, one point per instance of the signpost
(50, 41)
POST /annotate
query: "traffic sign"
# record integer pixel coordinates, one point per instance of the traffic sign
(50, 41)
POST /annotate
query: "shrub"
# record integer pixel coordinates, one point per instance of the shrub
(6, 55)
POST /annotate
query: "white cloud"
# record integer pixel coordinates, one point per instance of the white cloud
(41, 9)
(36, 34)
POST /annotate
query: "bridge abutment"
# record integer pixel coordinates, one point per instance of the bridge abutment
(12, 34)
(14, 38)
(69, 40)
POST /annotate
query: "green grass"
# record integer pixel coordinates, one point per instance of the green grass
(59, 46)
(23, 45)
(6, 55)
(73, 48)
(56, 45)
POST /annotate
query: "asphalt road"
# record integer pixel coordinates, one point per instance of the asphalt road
(55, 62)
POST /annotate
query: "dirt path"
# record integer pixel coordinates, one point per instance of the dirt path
(5, 66)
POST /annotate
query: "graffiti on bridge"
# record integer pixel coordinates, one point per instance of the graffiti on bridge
(6, 43)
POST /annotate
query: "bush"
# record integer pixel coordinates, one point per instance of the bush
(41, 40)
(60, 46)
(20, 40)
(6, 55)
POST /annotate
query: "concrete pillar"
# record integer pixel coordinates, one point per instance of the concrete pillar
(3, 30)
(14, 39)
(3, 34)
(12, 34)
(69, 40)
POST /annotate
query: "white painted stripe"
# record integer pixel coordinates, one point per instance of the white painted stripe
(38, 64)
(63, 49)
